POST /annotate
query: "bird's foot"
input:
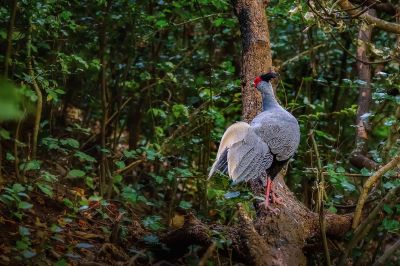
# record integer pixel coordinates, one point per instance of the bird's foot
(266, 204)
(276, 199)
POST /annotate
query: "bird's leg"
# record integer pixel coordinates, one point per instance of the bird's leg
(268, 194)
(274, 197)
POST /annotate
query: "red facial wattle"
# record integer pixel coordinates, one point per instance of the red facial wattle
(256, 81)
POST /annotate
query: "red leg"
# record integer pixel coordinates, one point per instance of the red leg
(267, 192)
(270, 196)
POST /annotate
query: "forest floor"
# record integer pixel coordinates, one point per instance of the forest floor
(50, 233)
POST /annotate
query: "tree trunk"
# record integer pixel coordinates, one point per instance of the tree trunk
(256, 53)
(284, 232)
(358, 157)
(10, 32)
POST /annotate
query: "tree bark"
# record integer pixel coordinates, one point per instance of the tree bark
(256, 53)
(358, 157)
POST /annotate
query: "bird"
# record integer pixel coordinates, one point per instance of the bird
(261, 148)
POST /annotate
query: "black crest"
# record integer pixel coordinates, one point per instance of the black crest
(267, 77)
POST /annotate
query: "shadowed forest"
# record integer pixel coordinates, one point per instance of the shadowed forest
(112, 112)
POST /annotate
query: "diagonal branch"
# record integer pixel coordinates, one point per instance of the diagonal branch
(372, 180)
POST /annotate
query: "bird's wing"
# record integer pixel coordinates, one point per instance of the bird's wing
(280, 133)
(242, 154)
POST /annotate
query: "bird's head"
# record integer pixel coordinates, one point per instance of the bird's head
(266, 78)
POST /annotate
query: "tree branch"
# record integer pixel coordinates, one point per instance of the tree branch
(366, 226)
(372, 180)
(386, 7)
(387, 253)
(39, 103)
(373, 21)
(320, 199)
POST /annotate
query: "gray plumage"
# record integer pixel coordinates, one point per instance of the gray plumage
(261, 148)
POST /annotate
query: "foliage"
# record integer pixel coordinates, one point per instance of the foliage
(137, 95)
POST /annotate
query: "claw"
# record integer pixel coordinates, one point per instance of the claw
(276, 199)
(266, 204)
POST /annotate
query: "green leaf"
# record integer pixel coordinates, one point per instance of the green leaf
(185, 204)
(158, 112)
(27, 254)
(117, 179)
(10, 102)
(365, 172)
(348, 186)
(4, 134)
(51, 143)
(24, 231)
(180, 110)
(68, 203)
(129, 154)
(340, 170)
(18, 188)
(161, 23)
(70, 142)
(130, 194)
(24, 205)
(218, 22)
(10, 157)
(45, 188)
(145, 75)
(89, 182)
(387, 209)
(324, 135)
(31, 165)
(332, 209)
(159, 179)
(76, 173)
(152, 222)
(120, 164)
(55, 228)
(151, 239)
(85, 157)
(390, 224)
(62, 262)
(49, 177)
(21, 245)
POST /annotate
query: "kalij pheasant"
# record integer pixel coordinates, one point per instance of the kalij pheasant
(263, 147)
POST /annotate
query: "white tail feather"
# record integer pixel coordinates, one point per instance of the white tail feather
(232, 135)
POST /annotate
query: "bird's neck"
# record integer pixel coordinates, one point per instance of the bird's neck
(268, 100)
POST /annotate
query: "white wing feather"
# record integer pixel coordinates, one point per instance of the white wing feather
(245, 154)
